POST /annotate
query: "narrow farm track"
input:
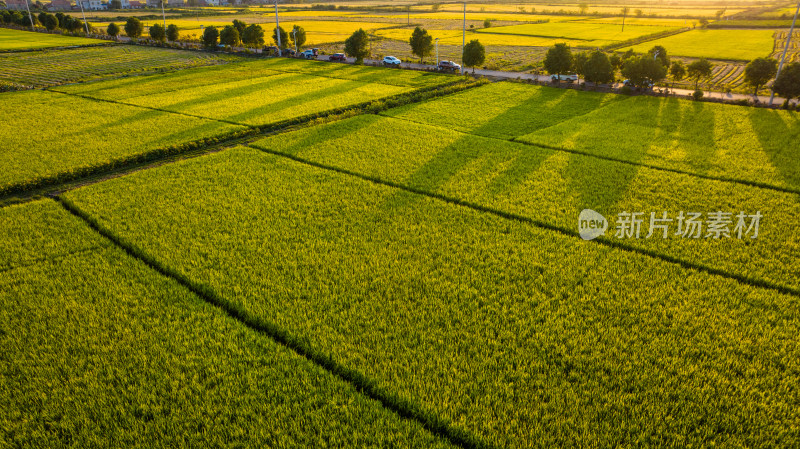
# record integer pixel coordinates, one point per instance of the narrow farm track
(750, 281)
(402, 408)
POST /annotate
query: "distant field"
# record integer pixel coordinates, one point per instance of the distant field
(573, 8)
(679, 23)
(317, 31)
(453, 37)
(731, 44)
(48, 68)
(102, 341)
(598, 34)
(25, 40)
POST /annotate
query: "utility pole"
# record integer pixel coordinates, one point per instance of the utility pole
(83, 13)
(294, 38)
(437, 52)
(30, 17)
(277, 29)
(785, 50)
(163, 16)
(464, 33)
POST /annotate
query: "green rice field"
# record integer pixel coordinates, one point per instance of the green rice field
(208, 249)
(14, 40)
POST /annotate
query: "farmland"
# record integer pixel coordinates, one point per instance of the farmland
(116, 350)
(49, 68)
(340, 242)
(204, 248)
(716, 43)
(25, 40)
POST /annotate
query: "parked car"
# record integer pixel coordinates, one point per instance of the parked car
(391, 61)
(570, 78)
(316, 51)
(308, 54)
(288, 52)
(273, 50)
(338, 57)
(448, 66)
(647, 86)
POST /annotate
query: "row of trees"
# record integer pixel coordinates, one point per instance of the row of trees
(654, 66)
(49, 21)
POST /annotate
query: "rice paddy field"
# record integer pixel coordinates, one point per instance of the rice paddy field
(48, 68)
(205, 250)
(15, 40)
(733, 44)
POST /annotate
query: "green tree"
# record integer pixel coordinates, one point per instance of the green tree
(660, 54)
(49, 21)
(787, 85)
(115, 4)
(357, 46)
(759, 71)
(487, 23)
(598, 68)
(579, 62)
(229, 36)
(703, 23)
(583, 7)
(677, 71)
(173, 33)
(133, 28)
(210, 36)
(253, 36)
(644, 70)
(421, 43)
(157, 32)
(113, 30)
(719, 14)
(616, 61)
(639, 13)
(474, 54)
(240, 26)
(698, 70)
(298, 36)
(558, 60)
(279, 31)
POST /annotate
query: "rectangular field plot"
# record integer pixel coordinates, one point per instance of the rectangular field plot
(504, 110)
(48, 68)
(596, 33)
(738, 44)
(98, 350)
(72, 135)
(28, 40)
(553, 187)
(731, 142)
(260, 93)
(515, 335)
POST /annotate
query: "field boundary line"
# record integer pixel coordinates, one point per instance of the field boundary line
(757, 184)
(57, 257)
(404, 408)
(753, 282)
(11, 193)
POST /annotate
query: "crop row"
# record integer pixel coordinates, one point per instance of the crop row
(13, 40)
(97, 349)
(47, 68)
(713, 140)
(516, 336)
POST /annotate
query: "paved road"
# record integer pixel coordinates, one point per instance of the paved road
(546, 78)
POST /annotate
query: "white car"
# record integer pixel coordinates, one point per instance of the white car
(308, 54)
(391, 61)
(568, 78)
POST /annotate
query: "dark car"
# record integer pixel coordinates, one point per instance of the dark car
(288, 52)
(448, 66)
(338, 57)
(273, 50)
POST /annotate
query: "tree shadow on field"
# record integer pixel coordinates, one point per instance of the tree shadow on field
(779, 135)
(697, 136)
(600, 184)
